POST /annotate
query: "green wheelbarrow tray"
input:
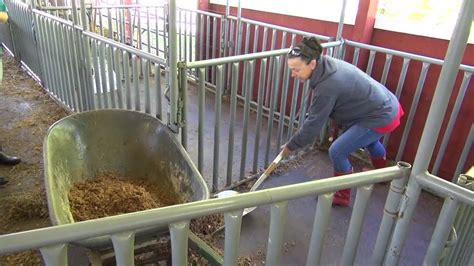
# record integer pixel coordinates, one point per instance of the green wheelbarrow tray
(129, 143)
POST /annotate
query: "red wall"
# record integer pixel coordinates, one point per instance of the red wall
(363, 31)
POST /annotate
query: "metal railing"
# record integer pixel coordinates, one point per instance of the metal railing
(53, 242)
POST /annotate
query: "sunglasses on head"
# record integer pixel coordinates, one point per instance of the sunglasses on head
(297, 51)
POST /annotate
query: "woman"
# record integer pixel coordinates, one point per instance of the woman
(365, 108)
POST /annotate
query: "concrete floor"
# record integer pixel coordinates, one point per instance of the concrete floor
(301, 212)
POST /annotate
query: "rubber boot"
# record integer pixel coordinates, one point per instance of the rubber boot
(377, 162)
(342, 197)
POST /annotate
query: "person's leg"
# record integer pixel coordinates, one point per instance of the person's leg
(377, 154)
(352, 139)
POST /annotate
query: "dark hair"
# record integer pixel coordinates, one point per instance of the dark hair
(308, 49)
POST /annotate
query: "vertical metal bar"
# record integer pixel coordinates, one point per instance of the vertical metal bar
(179, 242)
(294, 103)
(452, 121)
(277, 228)
(255, 38)
(370, 64)
(208, 37)
(63, 65)
(272, 107)
(433, 124)
(217, 121)
(148, 39)
(412, 112)
(158, 92)
(184, 114)
(84, 23)
(146, 77)
(157, 34)
(136, 77)
(398, 92)
(233, 105)
(190, 54)
(441, 231)
(55, 255)
(124, 248)
(355, 59)
(249, 88)
(110, 73)
(202, 99)
(103, 75)
(355, 226)
(321, 221)
(258, 125)
(233, 221)
(464, 154)
(271, 69)
(75, 70)
(173, 64)
(180, 39)
(214, 48)
(109, 23)
(284, 99)
(128, 87)
(247, 38)
(100, 22)
(397, 187)
(95, 58)
(118, 77)
(386, 68)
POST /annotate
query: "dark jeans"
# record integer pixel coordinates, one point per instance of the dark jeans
(351, 140)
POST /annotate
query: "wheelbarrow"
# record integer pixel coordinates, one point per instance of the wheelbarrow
(132, 144)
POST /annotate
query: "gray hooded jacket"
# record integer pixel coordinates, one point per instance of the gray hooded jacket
(346, 94)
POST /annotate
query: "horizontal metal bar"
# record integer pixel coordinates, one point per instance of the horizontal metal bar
(247, 57)
(54, 18)
(124, 47)
(405, 54)
(47, 236)
(289, 30)
(445, 188)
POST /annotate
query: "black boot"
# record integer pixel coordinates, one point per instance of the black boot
(3, 180)
(9, 160)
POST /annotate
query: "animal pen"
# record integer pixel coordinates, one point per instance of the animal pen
(182, 67)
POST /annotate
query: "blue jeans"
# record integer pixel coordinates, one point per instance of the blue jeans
(351, 140)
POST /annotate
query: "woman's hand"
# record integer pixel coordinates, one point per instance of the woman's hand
(285, 152)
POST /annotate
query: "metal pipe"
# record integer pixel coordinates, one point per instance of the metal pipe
(233, 222)
(202, 99)
(249, 88)
(441, 231)
(439, 104)
(391, 208)
(124, 243)
(55, 255)
(261, 84)
(173, 64)
(233, 105)
(321, 221)
(355, 225)
(179, 242)
(464, 154)
(218, 101)
(275, 236)
(248, 57)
